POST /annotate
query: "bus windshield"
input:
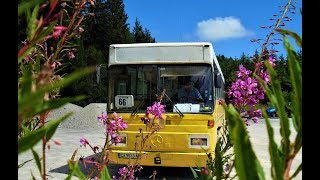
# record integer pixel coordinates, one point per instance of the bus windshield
(189, 89)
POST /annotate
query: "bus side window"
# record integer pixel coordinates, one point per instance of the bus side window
(218, 80)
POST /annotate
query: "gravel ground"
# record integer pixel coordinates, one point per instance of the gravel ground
(82, 117)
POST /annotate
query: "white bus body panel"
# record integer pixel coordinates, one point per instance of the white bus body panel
(160, 53)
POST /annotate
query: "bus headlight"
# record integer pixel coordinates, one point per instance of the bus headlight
(199, 141)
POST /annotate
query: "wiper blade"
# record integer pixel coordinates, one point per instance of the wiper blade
(134, 112)
(178, 110)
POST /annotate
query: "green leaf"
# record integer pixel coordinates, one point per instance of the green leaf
(36, 39)
(30, 139)
(298, 141)
(218, 162)
(37, 65)
(32, 23)
(246, 163)
(277, 99)
(26, 129)
(31, 103)
(75, 170)
(27, 5)
(296, 81)
(277, 162)
(294, 35)
(71, 164)
(194, 173)
(28, 51)
(33, 178)
(37, 159)
(70, 78)
(44, 33)
(79, 173)
(52, 126)
(25, 82)
(40, 107)
(105, 174)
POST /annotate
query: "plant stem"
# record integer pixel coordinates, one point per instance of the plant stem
(288, 165)
(264, 47)
(287, 171)
(44, 142)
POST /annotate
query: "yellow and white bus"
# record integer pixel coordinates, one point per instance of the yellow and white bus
(190, 130)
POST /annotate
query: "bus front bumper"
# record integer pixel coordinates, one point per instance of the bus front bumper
(170, 159)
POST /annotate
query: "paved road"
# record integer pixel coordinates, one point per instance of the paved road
(57, 156)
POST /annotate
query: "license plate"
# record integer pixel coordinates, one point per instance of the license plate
(128, 156)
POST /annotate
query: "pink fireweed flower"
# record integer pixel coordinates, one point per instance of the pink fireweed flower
(205, 171)
(63, 5)
(55, 64)
(56, 142)
(252, 100)
(258, 65)
(127, 172)
(57, 30)
(114, 126)
(265, 76)
(271, 61)
(251, 84)
(71, 55)
(25, 42)
(243, 71)
(103, 118)
(260, 94)
(236, 94)
(123, 172)
(84, 141)
(258, 113)
(81, 29)
(118, 122)
(246, 122)
(117, 139)
(255, 119)
(246, 91)
(157, 109)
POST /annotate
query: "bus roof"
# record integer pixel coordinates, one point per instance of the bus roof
(163, 53)
(150, 53)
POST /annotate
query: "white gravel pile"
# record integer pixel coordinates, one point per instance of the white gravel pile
(82, 117)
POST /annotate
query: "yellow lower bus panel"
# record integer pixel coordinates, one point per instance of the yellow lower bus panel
(183, 141)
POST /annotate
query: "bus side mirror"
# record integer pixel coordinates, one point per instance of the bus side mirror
(218, 80)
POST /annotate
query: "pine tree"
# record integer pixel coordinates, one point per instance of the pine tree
(140, 35)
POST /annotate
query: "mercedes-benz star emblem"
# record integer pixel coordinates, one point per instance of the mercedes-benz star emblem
(156, 140)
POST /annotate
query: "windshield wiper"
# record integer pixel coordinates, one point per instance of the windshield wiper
(134, 112)
(178, 110)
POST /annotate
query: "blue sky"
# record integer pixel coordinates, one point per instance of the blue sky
(228, 24)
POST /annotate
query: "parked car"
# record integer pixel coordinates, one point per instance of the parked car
(271, 111)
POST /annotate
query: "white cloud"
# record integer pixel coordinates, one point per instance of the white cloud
(221, 28)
